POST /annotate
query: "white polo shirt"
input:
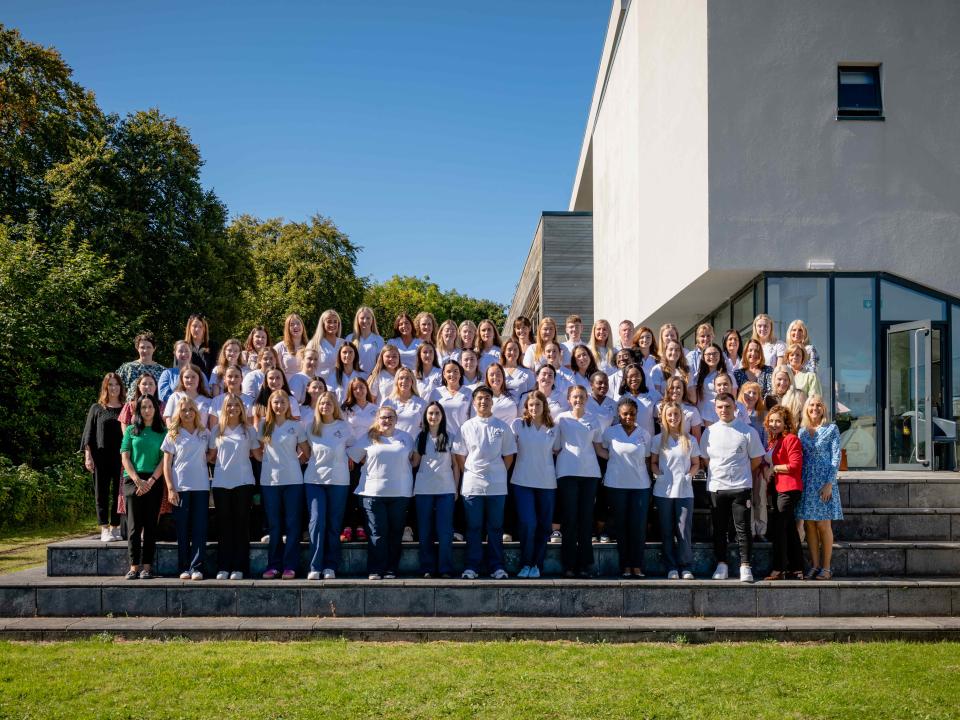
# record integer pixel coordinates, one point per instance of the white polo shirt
(368, 349)
(575, 439)
(189, 459)
(328, 455)
(203, 406)
(281, 466)
(534, 465)
(409, 413)
(387, 471)
(729, 447)
(456, 405)
(327, 363)
(435, 473)
(626, 466)
(233, 468)
(605, 411)
(674, 480)
(485, 442)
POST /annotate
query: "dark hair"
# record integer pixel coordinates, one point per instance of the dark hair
(146, 335)
(442, 438)
(725, 397)
(483, 390)
(627, 401)
(307, 397)
(739, 337)
(419, 370)
(703, 369)
(396, 325)
(591, 366)
(624, 388)
(443, 370)
(138, 425)
(505, 389)
(349, 401)
(263, 397)
(339, 362)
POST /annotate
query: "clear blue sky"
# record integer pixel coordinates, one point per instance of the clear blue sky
(433, 133)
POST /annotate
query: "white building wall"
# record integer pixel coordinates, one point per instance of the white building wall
(650, 153)
(789, 183)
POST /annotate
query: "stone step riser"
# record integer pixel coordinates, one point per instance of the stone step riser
(853, 560)
(477, 599)
(899, 494)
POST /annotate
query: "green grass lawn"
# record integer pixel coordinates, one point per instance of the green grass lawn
(22, 549)
(225, 680)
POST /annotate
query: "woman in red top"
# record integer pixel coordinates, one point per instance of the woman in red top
(786, 457)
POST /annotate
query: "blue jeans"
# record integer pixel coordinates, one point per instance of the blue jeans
(534, 517)
(484, 516)
(325, 504)
(283, 505)
(190, 518)
(435, 521)
(630, 515)
(385, 519)
(676, 532)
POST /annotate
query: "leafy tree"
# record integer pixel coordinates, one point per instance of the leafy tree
(60, 330)
(301, 267)
(404, 293)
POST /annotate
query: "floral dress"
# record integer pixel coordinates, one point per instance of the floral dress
(821, 460)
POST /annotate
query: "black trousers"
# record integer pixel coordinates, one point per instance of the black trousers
(142, 512)
(736, 503)
(575, 498)
(233, 527)
(106, 485)
(629, 510)
(787, 553)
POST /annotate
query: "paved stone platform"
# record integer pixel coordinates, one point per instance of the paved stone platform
(32, 593)
(665, 629)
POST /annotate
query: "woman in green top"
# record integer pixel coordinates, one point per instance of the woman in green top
(142, 467)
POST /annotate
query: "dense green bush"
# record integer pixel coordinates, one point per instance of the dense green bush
(30, 498)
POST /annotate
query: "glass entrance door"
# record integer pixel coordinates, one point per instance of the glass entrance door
(908, 405)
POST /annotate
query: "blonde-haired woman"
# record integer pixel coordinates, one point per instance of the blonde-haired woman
(231, 446)
(804, 380)
(384, 373)
(294, 338)
(784, 391)
(229, 356)
(546, 334)
(327, 341)
(188, 489)
(447, 342)
(675, 459)
(797, 334)
(774, 350)
(601, 346)
(366, 337)
(406, 403)
(326, 484)
(424, 326)
(672, 362)
(820, 502)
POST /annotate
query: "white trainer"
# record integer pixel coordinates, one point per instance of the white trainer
(106, 535)
(500, 574)
(746, 574)
(313, 575)
(185, 575)
(236, 575)
(329, 574)
(115, 532)
(507, 537)
(223, 575)
(524, 572)
(686, 575)
(469, 574)
(673, 575)
(196, 575)
(721, 573)
(407, 534)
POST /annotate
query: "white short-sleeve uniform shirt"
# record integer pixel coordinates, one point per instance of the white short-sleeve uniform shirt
(409, 413)
(203, 406)
(361, 419)
(488, 358)
(729, 447)
(435, 473)
(534, 466)
(327, 363)
(368, 349)
(233, 468)
(605, 411)
(519, 380)
(456, 405)
(328, 455)
(674, 480)
(575, 439)
(386, 471)
(289, 362)
(485, 442)
(428, 382)
(626, 466)
(189, 459)
(216, 405)
(281, 466)
(408, 353)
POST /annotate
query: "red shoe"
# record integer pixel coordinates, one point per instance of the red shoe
(346, 535)
(361, 535)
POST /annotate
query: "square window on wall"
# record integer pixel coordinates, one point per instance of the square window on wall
(858, 92)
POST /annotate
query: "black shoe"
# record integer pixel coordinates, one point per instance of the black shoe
(131, 575)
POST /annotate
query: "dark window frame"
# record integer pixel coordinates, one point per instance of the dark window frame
(860, 112)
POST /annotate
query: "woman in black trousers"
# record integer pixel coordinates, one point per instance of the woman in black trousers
(100, 445)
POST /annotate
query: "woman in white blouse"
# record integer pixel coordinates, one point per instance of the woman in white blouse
(435, 491)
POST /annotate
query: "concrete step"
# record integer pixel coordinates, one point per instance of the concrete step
(466, 629)
(858, 559)
(31, 593)
(899, 490)
(942, 523)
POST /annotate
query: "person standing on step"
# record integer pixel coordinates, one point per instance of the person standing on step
(366, 338)
(731, 452)
(435, 491)
(204, 352)
(486, 449)
(786, 461)
(188, 485)
(100, 445)
(820, 502)
(130, 372)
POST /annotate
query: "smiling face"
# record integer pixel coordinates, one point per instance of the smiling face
(483, 404)
(386, 421)
(754, 355)
(233, 409)
(181, 354)
(315, 387)
(145, 351)
(190, 380)
(469, 361)
(486, 333)
(763, 328)
(311, 358)
(625, 332)
(433, 416)
(147, 384)
(280, 404)
(426, 353)
(365, 321)
(675, 390)
(674, 418)
(232, 380)
(581, 356)
(552, 354)
(448, 335)
(511, 353)
(296, 328)
(732, 345)
(601, 333)
(494, 378)
(723, 384)
(711, 357)
(331, 325)
(274, 379)
(196, 331)
(404, 326)
(451, 375)
(577, 398)
(781, 383)
(113, 390)
(545, 378)
(259, 340)
(623, 359)
(645, 341)
(231, 351)
(599, 384)
(425, 328)
(774, 423)
(267, 360)
(404, 383)
(814, 410)
(673, 352)
(534, 406)
(795, 358)
(633, 377)
(325, 406)
(628, 416)
(358, 391)
(751, 396)
(147, 411)
(468, 335)
(391, 358)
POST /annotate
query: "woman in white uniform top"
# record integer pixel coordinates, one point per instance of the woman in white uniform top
(677, 392)
(546, 333)
(447, 342)
(232, 443)
(257, 339)
(424, 326)
(504, 402)
(347, 370)
(467, 333)
(553, 356)
(232, 380)
(635, 387)
(427, 370)
(435, 491)
(230, 353)
(384, 370)
(583, 366)
(519, 379)
(732, 350)
(190, 385)
(366, 338)
(534, 482)
(253, 380)
(327, 341)
(704, 389)
(360, 412)
(405, 340)
(273, 381)
(309, 359)
(645, 345)
(600, 403)
(470, 363)
(315, 389)
(293, 340)
(523, 333)
(774, 350)
(623, 358)
(672, 362)
(407, 404)
(455, 399)
(556, 399)
(601, 345)
(488, 344)
(326, 483)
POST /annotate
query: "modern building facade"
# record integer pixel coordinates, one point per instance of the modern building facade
(801, 159)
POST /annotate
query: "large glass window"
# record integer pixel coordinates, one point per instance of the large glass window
(900, 304)
(808, 299)
(855, 371)
(743, 312)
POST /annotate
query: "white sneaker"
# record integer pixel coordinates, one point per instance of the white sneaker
(556, 537)
(223, 575)
(196, 575)
(469, 574)
(407, 534)
(524, 572)
(185, 575)
(373, 576)
(265, 539)
(313, 575)
(746, 574)
(236, 575)
(721, 573)
(534, 572)
(458, 537)
(329, 574)
(115, 532)
(686, 575)
(673, 575)
(106, 535)
(507, 537)
(500, 574)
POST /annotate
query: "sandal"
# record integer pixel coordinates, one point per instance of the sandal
(824, 574)
(776, 575)
(812, 573)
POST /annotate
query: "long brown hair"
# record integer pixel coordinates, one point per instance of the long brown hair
(105, 389)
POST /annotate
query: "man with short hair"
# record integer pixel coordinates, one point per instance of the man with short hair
(731, 452)
(624, 335)
(574, 329)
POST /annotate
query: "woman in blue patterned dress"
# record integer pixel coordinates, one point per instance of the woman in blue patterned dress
(820, 502)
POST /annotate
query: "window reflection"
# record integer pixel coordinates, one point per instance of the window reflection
(855, 370)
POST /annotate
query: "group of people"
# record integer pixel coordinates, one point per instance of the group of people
(551, 441)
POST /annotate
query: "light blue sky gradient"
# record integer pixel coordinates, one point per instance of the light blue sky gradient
(433, 133)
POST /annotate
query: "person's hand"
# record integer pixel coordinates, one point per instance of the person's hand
(826, 492)
(174, 497)
(88, 462)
